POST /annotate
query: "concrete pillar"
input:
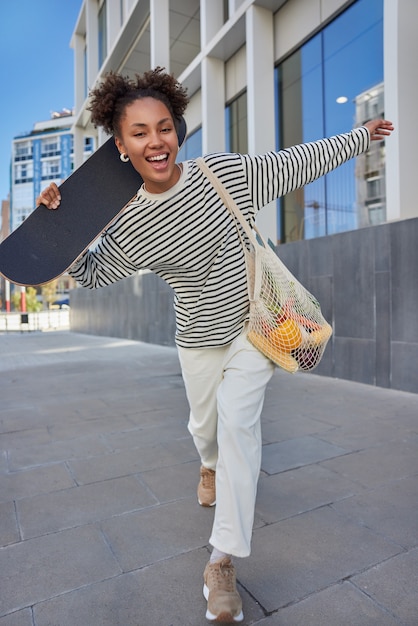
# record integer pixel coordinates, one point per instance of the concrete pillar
(79, 45)
(211, 19)
(113, 21)
(160, 33)
(78, 146)
(401, 98)
(233, 6)
(213, 105)
(92, 38)
(260, 98)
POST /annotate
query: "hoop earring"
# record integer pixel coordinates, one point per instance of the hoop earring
(124, 157)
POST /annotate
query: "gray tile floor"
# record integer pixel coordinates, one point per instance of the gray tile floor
(99, 524)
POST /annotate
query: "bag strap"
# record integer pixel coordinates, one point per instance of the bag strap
(230, 204)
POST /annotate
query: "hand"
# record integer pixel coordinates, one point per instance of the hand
(50, 197)
(379, 129)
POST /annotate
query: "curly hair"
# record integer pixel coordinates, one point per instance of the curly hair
(109, 100)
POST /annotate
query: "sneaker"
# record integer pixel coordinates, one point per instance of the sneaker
(206, 489)
(220, 591)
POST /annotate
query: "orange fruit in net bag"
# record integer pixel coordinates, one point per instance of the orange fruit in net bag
(287, 336)
(281, 358)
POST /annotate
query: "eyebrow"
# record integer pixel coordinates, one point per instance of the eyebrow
(142, 125)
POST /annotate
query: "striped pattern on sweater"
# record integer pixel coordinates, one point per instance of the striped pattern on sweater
(188, 238)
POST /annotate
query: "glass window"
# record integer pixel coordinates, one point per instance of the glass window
(50, 169)
(192, 147)
(236, 125)
(330, 85)
(88, 144)
(23, 150)
(23, 173)
(50, 147)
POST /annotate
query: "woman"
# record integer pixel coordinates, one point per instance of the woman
(178, 228)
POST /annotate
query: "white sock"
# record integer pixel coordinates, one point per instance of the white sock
(217, 555)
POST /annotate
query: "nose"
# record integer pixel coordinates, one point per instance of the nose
(155, 138)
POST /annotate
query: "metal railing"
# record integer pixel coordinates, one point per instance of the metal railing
(43, 320)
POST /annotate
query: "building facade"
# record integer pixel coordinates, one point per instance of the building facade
(43, 156)
(266, 74)
(263, 75)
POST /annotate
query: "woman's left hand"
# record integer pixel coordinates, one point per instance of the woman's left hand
(379, 129)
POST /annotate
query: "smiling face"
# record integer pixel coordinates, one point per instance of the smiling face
(148, 136)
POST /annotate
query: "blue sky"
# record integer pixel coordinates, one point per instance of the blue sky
(36, 68)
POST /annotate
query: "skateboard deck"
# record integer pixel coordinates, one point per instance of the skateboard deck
(48, 242)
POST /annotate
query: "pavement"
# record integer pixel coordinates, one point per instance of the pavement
(99, 522)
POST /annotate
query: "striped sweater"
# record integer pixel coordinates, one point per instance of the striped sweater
(188, 238)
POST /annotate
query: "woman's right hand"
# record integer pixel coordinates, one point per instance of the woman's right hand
(50, 197)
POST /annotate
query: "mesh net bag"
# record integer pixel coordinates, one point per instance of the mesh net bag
(286, 323)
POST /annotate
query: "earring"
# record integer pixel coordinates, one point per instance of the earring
(124, 157)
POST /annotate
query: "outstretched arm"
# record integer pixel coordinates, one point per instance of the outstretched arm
(295, 167)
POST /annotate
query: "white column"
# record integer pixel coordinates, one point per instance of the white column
(260, 98)
(401, 98)
(113, 22)
(211, 19)
(233, 6)
(79, 45)
(92, 38)
(78, 146)
(160, 33)
(213, 105)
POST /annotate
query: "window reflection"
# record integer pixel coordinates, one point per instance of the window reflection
(192, 147)
(331, 84)
(236, 125)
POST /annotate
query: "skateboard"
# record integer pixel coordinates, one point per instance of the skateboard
(48, 242)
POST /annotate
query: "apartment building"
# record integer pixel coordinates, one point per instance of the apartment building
(40, 157)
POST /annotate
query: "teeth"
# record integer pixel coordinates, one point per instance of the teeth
(160, 157)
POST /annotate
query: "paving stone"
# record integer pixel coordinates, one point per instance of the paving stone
(149, 400)
(38, 569)
(158, 417)
(280, 428)
(69, 402)
(92, 426)
(289, 493)
(278, 457)
(394, 585)
(304, 554)
(340, 605)
(19, 618)
(3, 462)
(9, 532)
(136, 599)
(18, 418)
(145, 537)
(383, 508)
(25, 437)
(380, 465)
(142, 437)
(133, 461)
(174, 482)
(368, 433)
(55, 452)
(26, 483)
(56, 511)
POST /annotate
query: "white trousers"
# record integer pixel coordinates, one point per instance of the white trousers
(225, 388)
